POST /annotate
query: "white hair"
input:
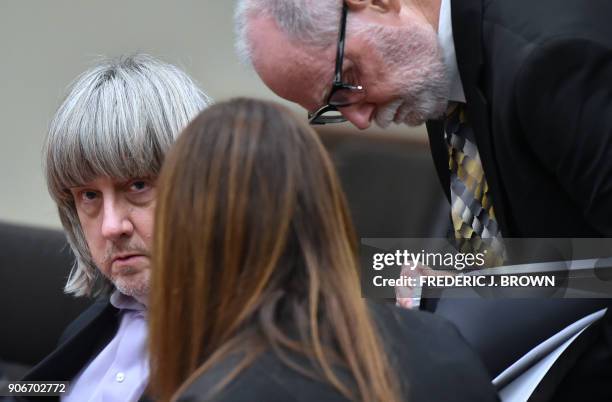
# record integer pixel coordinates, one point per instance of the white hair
(118, 120)
(314, 22)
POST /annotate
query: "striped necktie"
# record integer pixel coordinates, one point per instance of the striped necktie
(475, 229)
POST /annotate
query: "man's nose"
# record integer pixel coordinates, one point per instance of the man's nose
(360, 115)
(116, 222)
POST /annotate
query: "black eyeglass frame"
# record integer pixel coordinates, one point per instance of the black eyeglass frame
(319, 117)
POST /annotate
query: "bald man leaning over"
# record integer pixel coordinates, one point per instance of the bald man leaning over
(519, 89)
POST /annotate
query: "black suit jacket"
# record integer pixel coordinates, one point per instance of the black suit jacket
(431, 360)
(537, 77)
(84, 338)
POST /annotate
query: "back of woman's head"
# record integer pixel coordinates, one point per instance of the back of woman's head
(253, 239)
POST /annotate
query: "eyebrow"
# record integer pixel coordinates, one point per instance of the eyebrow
(116, 183)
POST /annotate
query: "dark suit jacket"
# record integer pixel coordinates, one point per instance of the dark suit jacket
(84, 338)
(431, 359)
(537, 77)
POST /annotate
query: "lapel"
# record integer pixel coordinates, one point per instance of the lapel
(466, 18)
(92, 331)
(439, 152)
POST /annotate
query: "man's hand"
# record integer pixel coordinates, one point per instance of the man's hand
(409, 296)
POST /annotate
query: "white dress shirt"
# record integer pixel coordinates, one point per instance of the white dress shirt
(445, 38)
(120, 372)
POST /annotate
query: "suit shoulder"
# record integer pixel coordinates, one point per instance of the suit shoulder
(404, 322)
(266, 379)
(432, 358)
(535, 23)
(85, 318)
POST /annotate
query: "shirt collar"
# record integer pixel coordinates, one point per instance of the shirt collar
(445, 38)
(124, 302)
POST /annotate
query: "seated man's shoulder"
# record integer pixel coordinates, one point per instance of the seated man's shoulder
(99, 307)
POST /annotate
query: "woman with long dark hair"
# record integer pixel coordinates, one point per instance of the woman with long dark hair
(255, 292)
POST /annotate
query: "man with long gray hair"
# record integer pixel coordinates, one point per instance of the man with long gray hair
(103, 153)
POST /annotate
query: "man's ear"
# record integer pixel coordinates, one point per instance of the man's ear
(381, 6)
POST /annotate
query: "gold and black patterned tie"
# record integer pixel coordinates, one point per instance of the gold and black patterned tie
(475, 228)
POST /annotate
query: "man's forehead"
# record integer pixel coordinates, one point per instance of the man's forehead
(293, 70)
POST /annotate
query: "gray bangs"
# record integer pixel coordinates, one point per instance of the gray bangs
(118, 121)
(113, 136)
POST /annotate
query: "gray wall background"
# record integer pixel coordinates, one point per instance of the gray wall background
(44, 45)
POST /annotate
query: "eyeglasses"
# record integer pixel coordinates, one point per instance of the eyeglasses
(341, 94)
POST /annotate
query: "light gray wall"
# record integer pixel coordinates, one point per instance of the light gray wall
(44, 45)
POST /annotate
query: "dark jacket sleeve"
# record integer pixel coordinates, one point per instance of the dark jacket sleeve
(564, 101)
(432, 359)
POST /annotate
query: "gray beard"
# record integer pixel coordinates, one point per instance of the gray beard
(417, 70)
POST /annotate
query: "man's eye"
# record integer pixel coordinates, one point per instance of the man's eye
(139, 185)
(352, 77)
(349, 77)
(88, 195)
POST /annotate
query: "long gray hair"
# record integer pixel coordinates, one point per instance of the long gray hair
(118, 120)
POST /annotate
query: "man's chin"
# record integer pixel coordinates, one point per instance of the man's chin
(431, 109)
(405, 112)
(134, 284)
(414, 120)
(411, 120)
